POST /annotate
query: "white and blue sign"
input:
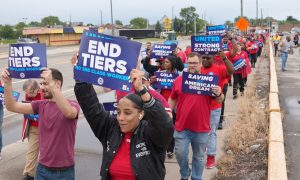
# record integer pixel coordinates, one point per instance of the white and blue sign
(26, 60)
(164, 80)
(225, 47)
(16, 95)
(34, 117)
(239, 64)
(106, 60)
(198, 83)
(216, 30)
(206, 44)
(162, 50)
(111, 107)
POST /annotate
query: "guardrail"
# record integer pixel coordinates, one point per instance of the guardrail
(276, 160)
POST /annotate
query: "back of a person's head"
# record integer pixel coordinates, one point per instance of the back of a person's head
(57, 75)
(176, 62)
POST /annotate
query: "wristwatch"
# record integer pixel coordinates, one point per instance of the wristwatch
(142, 92)
(224, 58)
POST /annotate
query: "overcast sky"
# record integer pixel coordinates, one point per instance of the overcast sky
(88, 11)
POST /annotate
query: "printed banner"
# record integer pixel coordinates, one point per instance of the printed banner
(199, 83)
(162, 50)
(239, 64)
(111, 107)
(216, 30)
(164, 80)
(26, 60)
(16, 95)
(206, 44)
(106, 60)
(225, 47)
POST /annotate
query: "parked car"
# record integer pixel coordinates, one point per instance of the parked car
(26, 40)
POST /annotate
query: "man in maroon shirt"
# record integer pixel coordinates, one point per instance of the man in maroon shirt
(57, 125)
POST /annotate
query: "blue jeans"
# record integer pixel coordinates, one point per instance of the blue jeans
(212, 136)
(43, 173)
(284, 57)
(198, 142)
(1, 121)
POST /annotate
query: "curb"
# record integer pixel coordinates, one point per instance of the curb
(276, 158)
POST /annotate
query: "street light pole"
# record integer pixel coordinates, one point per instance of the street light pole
(241, 8)
(112, 19)
(101, 22)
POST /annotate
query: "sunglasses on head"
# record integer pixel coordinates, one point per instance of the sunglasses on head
(206, 57)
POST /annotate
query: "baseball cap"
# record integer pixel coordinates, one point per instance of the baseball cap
(146, 76)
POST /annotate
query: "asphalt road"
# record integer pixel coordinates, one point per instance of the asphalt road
(88, 149)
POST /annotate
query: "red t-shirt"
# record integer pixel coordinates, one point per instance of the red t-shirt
(39, 96)
(252, 47)
(221, 72)
(193, 111)
(120, 168)
(57, 134)
(242, 55)
(182, 56)
(188, 51)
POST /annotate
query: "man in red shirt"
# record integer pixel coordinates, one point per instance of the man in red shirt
(192, 122)
(252, 48)
(30, 130)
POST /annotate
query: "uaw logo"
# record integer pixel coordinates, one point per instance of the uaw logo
(22, 75)
(211, 73)
(100, 81)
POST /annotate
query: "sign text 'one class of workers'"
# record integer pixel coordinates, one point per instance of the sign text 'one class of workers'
(206, 44)
(26, 60)
(198, 83)
(106, 60)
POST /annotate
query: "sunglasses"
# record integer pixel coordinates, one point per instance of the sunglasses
(206, 57)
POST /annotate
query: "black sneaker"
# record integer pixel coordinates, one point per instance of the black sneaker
(235, 96)
(27, 177)
(170, 155)
(220, 126)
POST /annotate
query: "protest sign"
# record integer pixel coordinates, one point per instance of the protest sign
(111, 107)
(206, 44)
(34, 117)
(198, 83)
(106, 60)
(16, 95)
(162, 50)
(26, 60)
(164, 80)
(216, 30)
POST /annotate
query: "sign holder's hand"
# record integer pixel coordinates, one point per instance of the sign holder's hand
(5, 75)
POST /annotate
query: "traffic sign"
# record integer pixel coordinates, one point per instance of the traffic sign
(242, 24)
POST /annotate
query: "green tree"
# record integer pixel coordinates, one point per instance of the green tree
(138, 23)
(229, 23)
(178, 25)
(200, 25)
(237, 18)
(189, 15)
(291, 19)
(118, 22)
(7, 32)
(19, 29)
(158, 27)
(34, 24)
(51, 21)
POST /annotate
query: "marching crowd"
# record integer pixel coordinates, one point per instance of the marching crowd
(151, 124)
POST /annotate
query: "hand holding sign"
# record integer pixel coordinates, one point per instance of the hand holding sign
(136, 76)
(74, 59)
(5, 76)
(217, 91)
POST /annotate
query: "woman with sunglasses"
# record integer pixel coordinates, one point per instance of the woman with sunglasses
(133, 147)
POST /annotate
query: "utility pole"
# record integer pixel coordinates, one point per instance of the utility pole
(101, 20)
(112, 19)
(256, 12)
(70, 20)
(261, 18)
(172, 25)
(241, 8)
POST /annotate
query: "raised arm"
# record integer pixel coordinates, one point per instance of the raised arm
(10, 102)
